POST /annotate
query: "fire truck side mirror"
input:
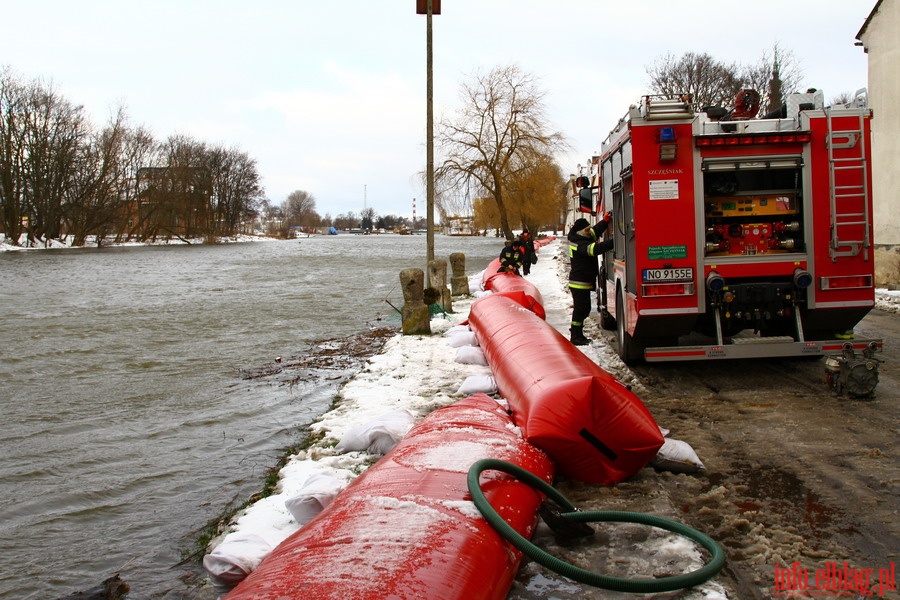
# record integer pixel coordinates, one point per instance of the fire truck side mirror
(586, 200)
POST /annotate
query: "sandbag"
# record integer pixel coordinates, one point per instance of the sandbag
(317, 492)
(478, 384)
(377, 436)
(470, 355)
(235, 558)
(593, 427)
(457, 329)
(676, 456)
(464, 338)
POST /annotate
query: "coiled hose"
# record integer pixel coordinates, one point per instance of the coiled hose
(619, 584)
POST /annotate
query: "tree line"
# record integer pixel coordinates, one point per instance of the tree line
(298, 212)
(61, 175)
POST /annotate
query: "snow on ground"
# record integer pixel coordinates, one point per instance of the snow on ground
(887, 300)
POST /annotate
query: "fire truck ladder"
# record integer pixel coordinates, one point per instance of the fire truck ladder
(850, 200)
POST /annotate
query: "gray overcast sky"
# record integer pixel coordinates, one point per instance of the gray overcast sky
(328, 96)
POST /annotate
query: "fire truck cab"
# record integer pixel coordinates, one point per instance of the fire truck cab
(735, 236)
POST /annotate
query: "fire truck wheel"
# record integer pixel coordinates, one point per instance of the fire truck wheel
(629, 350)
(607, 321)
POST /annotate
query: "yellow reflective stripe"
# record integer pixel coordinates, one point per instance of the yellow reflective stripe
(580, 286)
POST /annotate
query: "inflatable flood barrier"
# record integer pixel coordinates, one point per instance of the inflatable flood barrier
(515, 287)
(407, 528)
(594, 428)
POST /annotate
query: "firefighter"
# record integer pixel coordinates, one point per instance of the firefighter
(584, 248)
(510, 258)
(529, 257)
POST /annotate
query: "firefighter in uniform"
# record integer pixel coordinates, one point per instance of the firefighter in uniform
(584, 248)
(510, 258)
(528, 254)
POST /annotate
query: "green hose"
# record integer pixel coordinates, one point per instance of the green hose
(619, 584)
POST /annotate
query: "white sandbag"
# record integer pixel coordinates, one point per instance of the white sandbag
(475, 384)
(377, 436)
(235, 558)
(460, 339)
(317, 492)
(471, 355)
(458, 329)
(676, 456)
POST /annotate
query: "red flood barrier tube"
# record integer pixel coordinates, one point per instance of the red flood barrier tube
(594, 428)
(491, 271)
(513, 286)
(407, 528)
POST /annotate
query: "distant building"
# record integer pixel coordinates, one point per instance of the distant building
(457, 225)
(880, 39)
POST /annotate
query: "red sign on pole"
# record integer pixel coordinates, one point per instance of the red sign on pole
(422, 7)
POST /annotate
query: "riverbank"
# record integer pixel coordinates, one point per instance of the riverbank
(66, 242)
(410, 377)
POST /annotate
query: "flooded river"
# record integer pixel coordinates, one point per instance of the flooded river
(126, 424)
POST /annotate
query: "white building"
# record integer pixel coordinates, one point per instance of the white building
(880, 37)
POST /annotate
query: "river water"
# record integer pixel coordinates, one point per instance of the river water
(126, 426)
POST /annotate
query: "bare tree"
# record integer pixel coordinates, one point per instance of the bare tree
(236, 189)
(500, 129)
(300, 210)
(349, 220)
(60, 175)
(100, 193)
(842, 99)
(708, 81)
(775, 73)
(52, 134)
(713, 83)
(12, 173)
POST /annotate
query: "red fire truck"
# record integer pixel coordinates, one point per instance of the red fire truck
(736, 236)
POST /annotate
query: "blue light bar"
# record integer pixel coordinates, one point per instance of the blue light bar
(666, 134)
